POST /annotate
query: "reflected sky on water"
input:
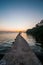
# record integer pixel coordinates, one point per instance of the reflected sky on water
(37, 47)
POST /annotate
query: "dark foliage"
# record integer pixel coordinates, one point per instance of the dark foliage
(37, 32)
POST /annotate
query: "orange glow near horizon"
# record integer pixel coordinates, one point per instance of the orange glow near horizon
(20, 15)
(12, 30)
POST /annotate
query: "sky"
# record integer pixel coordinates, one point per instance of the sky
(20, 14)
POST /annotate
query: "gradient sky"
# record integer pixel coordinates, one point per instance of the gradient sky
(20, 14)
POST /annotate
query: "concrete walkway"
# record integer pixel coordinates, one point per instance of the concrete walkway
(20, 54)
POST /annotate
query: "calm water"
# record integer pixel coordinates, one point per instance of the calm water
(32, 42)
(7, 37)
(6, 40)
(36, 47)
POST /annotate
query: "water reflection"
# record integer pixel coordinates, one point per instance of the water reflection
(31, 41)
(36, 47)
(6, 40)
(7, 37)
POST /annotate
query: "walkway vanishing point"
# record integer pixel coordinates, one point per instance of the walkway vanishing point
(20, 54)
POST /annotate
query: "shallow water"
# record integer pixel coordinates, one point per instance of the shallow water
(6, 40)
(32, 42)
(7, 37)
(36, 47)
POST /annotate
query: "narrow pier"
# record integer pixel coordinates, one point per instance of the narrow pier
(20, 54)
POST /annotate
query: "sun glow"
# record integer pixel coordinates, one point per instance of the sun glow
(19, 15)
(13, 30)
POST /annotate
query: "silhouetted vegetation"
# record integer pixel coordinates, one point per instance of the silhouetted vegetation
(37, 32)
